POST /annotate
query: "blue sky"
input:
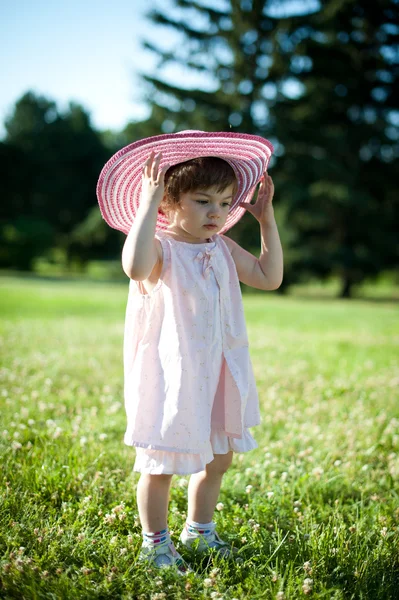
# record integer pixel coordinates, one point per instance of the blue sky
(87, 51)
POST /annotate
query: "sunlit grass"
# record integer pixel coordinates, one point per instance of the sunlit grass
(314, 510)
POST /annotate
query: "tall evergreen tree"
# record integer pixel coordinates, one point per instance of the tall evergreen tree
(337, 171)
(322, 85)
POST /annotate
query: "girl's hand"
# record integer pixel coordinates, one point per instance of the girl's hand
(153, 185)
(262, 210)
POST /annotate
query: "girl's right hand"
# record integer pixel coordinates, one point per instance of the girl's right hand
(153, 184)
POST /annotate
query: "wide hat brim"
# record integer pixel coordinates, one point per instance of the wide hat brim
(119, 184)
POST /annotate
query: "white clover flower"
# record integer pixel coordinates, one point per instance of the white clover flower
(318, 471)
(208, 582)
(307, 566)
(248, 489)
(220, 506)
(270, 495)
(102, 437)
(109, 518)
(307, 586)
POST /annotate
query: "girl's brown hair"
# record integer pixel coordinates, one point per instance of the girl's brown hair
(197, 174)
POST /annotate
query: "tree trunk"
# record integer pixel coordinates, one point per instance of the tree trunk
(346, 290)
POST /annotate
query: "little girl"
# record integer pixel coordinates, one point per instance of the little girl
(190, 393)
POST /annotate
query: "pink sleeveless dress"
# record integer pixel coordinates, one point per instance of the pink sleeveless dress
(190, 391)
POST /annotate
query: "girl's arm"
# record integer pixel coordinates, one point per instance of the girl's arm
(142, 253)
(265, 272)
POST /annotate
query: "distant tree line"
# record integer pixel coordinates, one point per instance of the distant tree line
(50, 165)
(321, 85)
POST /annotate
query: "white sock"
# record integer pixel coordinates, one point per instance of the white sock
(157, 538)
(195, 528)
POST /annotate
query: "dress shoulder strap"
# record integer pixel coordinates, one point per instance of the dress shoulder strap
(166, 253)
(223, 246)
(137, 286)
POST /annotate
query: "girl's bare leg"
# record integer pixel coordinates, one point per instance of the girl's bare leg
(153, 501)
(204, 488)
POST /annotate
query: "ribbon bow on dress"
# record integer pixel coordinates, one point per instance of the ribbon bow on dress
(206, 258)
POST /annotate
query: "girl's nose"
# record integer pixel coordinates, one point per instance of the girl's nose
(214, 211)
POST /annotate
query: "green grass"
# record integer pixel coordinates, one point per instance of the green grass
(324, 502)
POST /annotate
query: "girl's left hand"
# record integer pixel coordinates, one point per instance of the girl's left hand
(262, 210)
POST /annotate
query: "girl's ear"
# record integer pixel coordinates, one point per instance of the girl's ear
(163, 207)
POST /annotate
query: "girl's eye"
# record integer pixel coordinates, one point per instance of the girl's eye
(206, 202)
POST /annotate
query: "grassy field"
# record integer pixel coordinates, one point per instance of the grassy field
(314, 510)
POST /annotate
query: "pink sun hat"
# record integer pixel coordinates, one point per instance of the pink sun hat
(119, 184)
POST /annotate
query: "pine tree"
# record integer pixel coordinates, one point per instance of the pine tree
(322, 86)
(337, 171)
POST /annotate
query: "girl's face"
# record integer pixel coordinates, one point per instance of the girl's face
(200, 214)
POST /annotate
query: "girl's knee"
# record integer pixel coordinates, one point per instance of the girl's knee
(220, 463)
(152, 479)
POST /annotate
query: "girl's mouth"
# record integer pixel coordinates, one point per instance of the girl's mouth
(211, 226)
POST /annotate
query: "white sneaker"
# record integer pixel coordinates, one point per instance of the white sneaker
(164, 555)
(207, 542)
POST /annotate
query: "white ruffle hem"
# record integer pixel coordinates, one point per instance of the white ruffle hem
(160, 462)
